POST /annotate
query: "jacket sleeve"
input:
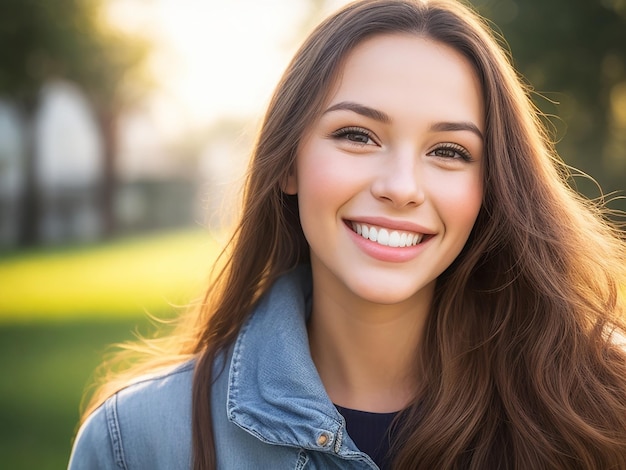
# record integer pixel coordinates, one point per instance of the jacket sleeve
(95, 448)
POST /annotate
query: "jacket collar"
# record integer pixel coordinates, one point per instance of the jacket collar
(274, 390)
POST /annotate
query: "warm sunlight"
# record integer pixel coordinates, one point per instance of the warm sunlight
(217, 58)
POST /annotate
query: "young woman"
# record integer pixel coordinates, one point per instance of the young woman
(412, 284)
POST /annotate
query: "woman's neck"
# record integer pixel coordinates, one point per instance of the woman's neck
(365, 353)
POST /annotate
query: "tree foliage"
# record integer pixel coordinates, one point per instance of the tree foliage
(44, 39)
(573, 54)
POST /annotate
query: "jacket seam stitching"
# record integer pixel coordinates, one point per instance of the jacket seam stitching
(115, 432)
(233, 379)
(303, 459)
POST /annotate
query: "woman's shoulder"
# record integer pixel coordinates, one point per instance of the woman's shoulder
(147, 421)
(157, 388)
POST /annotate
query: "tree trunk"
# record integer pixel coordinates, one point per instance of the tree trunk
(30, 204)
(108, 120)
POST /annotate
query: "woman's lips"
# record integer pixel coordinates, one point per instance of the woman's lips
(388, 241)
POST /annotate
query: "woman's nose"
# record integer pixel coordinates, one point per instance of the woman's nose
(400, 180)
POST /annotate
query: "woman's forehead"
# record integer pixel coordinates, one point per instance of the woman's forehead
(405, 74)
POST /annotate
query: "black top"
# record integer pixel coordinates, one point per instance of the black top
(370, 432)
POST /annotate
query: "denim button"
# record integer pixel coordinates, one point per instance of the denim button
(323, 439)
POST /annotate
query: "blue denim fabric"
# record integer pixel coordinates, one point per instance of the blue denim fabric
(270, 409)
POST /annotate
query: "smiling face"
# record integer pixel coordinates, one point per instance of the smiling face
(389, 177)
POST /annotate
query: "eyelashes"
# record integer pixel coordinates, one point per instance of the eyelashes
(360, 137)
(452, 151)
(355, 135)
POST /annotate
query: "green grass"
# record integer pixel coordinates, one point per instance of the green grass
(60, 309)
(115, 279)
(45, 369)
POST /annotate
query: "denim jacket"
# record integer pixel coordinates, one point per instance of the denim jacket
(270, 409)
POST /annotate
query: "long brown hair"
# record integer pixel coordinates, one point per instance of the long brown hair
(520, 360)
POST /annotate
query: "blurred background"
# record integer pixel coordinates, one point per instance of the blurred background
(125, 127)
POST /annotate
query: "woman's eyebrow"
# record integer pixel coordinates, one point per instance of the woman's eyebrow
(360, 109)
(386, 119)
(457, 126)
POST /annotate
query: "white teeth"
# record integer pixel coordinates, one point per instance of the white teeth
(403, 239)
(394, 239)
(383, 237)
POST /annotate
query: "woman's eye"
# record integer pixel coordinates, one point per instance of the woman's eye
(452, 151)
(355, 135)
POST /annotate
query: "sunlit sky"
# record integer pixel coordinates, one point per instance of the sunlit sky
(217, 58)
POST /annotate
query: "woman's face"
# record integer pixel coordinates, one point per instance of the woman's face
(389, 177)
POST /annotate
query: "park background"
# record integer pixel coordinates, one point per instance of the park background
(125, 126)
